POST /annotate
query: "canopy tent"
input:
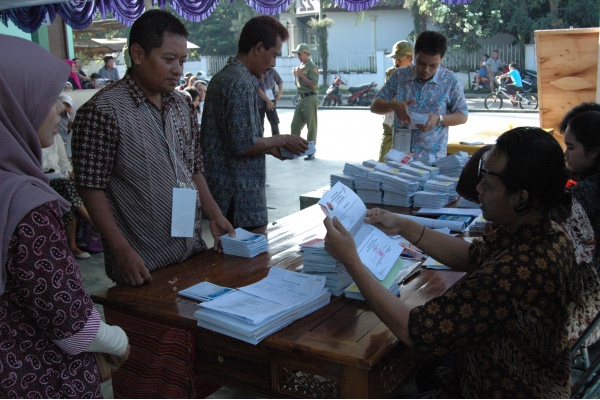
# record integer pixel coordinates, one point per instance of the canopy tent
(28, 15)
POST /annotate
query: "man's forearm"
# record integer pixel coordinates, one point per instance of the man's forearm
(209, 206)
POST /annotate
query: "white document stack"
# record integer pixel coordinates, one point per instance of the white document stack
(478, 225)
(244, 244)
(399, 191)
(453, 164)
(311, 150)
(345, 179)
(318, 261)
(356, 170)
(253, 312)
(430, 199)
(398, 156)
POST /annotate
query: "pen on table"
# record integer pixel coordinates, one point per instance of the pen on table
(410, 276)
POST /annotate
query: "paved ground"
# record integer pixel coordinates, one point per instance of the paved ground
(345, 135)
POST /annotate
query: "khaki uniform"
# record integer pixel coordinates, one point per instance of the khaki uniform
(387, 138)
(306, 109)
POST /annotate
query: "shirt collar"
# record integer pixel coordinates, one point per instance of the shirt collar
(414, 77)
(139, 97)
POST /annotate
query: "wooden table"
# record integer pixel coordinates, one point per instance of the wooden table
(474, 142)
(341, 350)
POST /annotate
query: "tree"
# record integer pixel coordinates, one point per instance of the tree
(320, 26)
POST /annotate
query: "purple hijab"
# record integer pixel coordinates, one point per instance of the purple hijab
(25, 101)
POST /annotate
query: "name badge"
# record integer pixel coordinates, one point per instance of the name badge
(183, 212)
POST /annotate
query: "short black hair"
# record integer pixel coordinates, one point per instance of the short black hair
(193, 92)
(148, 30)
(95, 75)
(263, 28)
(431, 43)
(578, 109)
(106, 58)
(586, 129)
(536, 163)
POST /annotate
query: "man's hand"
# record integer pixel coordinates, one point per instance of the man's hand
(132, 266)
(340, 243)
(293, 144)
(218, 227)
(401, 110)
(384, 220)
(270, 105)
(432, 121)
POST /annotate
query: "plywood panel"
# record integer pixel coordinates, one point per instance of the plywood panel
(567, 64)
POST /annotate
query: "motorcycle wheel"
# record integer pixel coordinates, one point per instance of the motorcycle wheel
(493, 101)
(527, 85)
(295, 100)
(528, 102)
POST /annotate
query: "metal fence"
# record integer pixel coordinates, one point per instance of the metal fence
(458, 60)
(356, 61)
(216, 63)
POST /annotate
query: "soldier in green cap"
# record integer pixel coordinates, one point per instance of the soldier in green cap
(403, 57)
(307, 82)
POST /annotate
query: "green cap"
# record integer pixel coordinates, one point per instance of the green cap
(401, 49)
(302, 47)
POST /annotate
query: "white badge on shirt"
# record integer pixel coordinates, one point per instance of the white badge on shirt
(183, 213)
(402, 140)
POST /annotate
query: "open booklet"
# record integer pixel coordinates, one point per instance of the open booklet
(376, 249)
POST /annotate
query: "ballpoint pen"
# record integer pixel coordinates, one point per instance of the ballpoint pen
(410, 276)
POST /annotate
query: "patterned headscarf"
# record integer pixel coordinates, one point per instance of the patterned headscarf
(24, 104)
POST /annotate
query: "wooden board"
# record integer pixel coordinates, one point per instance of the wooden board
(567, 64)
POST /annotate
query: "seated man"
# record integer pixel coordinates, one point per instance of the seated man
(504, 325)
(481, 74)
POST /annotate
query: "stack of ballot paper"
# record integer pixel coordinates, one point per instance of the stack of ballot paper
(311, 150)
(205, 291)
(430, 199)
(398, 156)
(368, 187)
(433, 171)
(244, 244)
(427, 159)
(420, 174)
(318, 261)
(398, 191)
(434, 185)
(391, 281)
(345, 179)
(253, 312)
(478, 225)
(453, 164)
(356, 170)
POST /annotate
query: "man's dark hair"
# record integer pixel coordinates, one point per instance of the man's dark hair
(578, 109)
(586, 129)
(263, 28)
(95, 75)
(536, 163)
(108, 58)
(431, 43)
(148, 30)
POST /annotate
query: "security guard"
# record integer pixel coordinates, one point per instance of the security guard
(307, 82)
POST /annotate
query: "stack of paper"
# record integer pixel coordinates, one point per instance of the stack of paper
(244, 244)
(368, 187)
(253, 312)
(478, 225)
(434, 185)
(398, 191)
(427, 159)
(430, 199)
(318, 261)
(356, 170)
(345, 179)
(391, 282)
(205, 291)
(371, 163)
(432, 170)
(453, 164)
(311, 150)
(420, 174)
(398, 156)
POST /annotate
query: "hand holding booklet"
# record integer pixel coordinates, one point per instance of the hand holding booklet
(376, 250)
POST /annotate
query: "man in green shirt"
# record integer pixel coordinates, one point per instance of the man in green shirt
(307, 82)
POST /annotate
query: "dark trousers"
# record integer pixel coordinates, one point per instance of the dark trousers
(271, 116)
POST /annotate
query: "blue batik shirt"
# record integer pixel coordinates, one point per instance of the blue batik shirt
(442, 94)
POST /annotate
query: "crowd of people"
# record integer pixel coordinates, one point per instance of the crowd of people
(150, 158)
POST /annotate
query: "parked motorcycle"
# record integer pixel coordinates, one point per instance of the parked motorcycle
(333, 95)
(529, 79)
(362, 95)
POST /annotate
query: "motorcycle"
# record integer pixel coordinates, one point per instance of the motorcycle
(529, 79)
(362, 95)
(333, 95)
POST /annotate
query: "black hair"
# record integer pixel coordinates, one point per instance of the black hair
(263, 28)
(485, 55)
(578, 109)
(193, 92)
(586, 129)
(108, 58)
(431, 43)
(95, 75)
(536, 163)
(148, 30)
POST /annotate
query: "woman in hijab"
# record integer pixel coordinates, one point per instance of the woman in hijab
(52, 338)
(73, 77)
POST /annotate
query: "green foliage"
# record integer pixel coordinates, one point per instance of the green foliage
(220, 32)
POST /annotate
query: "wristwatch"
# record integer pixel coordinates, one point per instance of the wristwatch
(441, 120)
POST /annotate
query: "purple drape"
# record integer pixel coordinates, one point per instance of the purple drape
(79, 13)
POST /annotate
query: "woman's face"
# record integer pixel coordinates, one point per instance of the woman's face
(577, 158)
(48, 129)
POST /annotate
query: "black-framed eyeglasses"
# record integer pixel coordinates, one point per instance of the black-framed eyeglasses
(483, 170)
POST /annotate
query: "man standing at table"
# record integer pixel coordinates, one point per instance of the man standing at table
(427, 91)
(232, 133)
(307, 82)
(137, 160)
(403, 57)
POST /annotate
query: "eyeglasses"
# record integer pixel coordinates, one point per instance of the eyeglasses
(483, 170)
